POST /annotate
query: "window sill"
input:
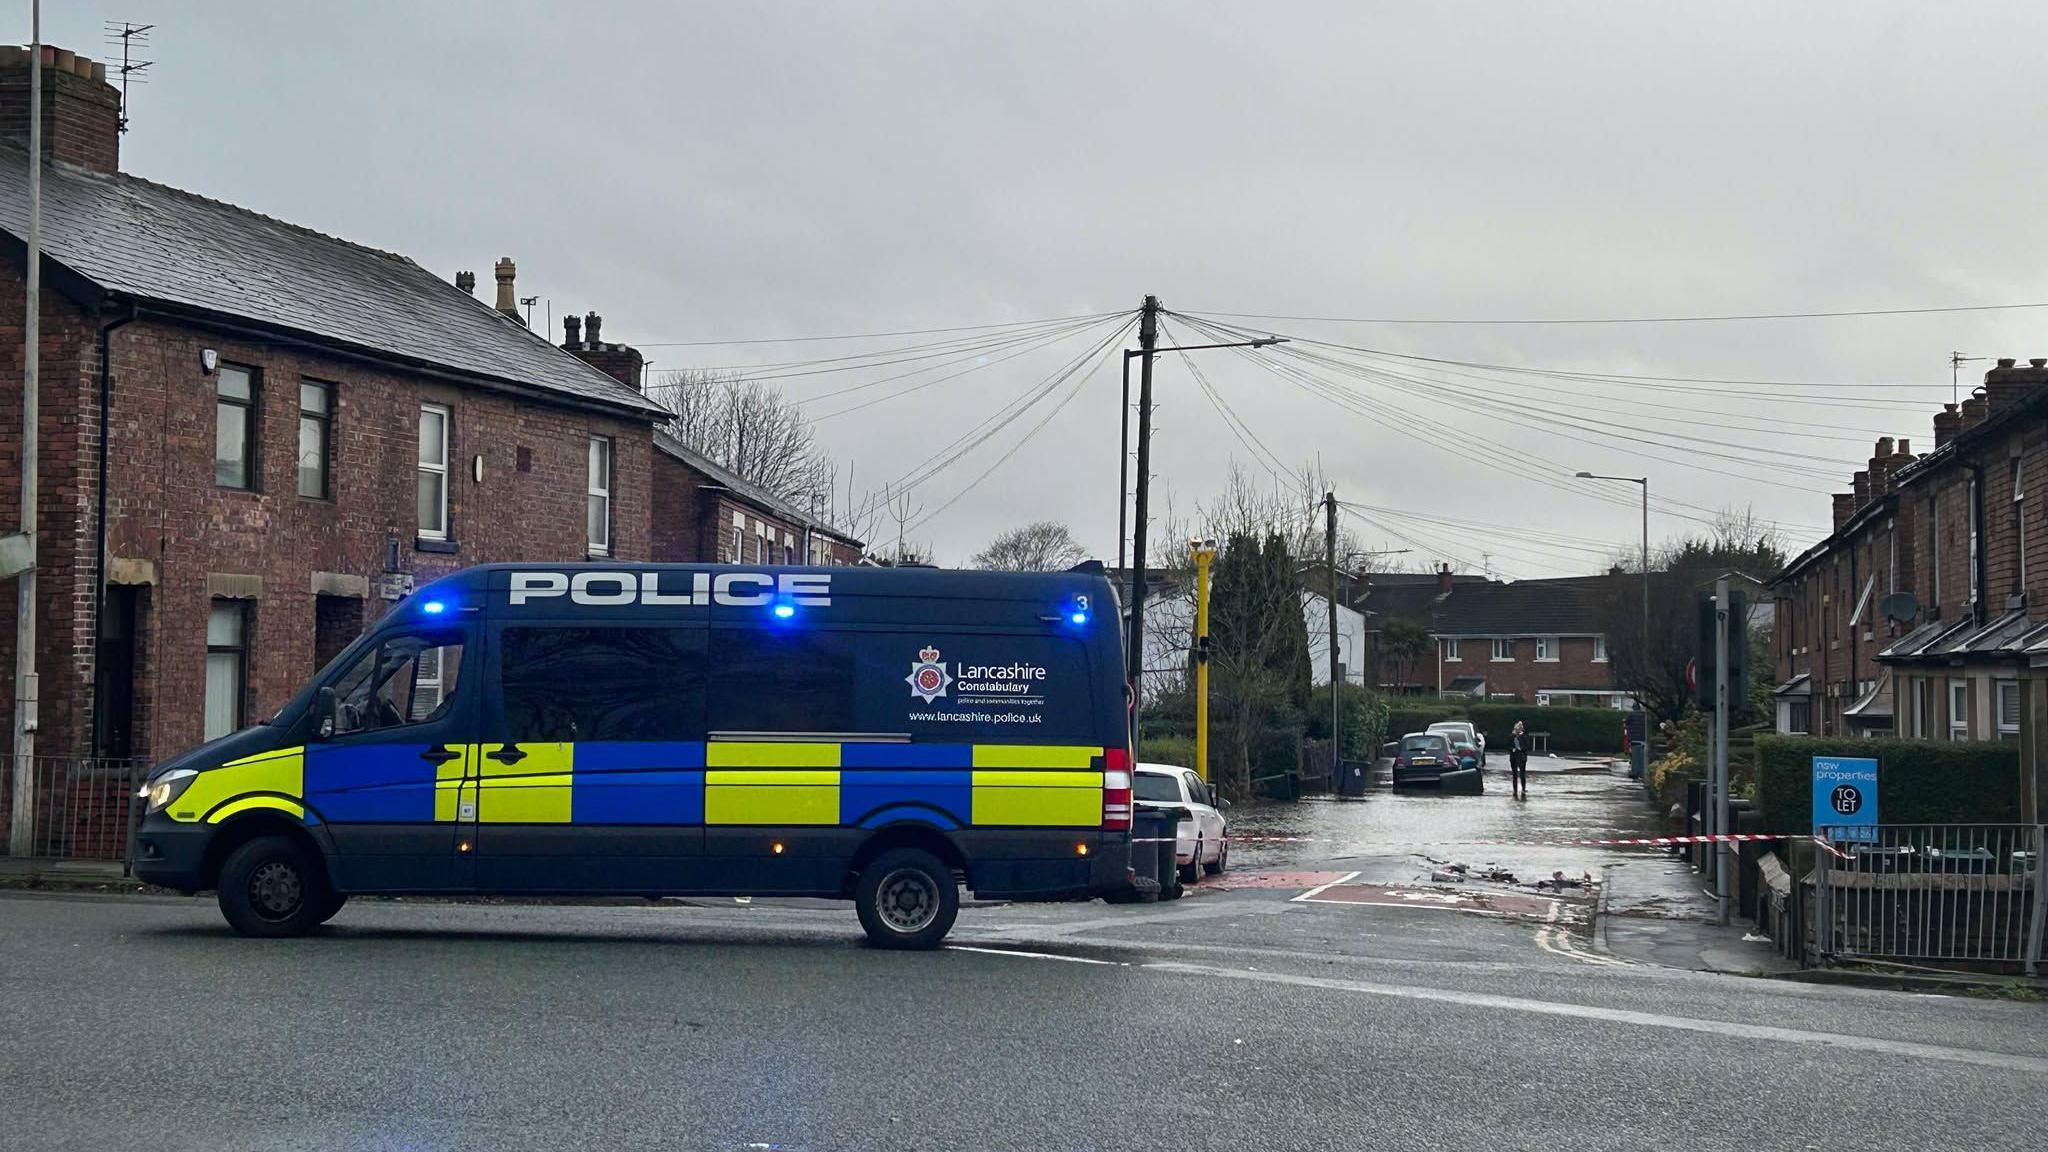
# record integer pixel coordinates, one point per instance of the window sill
(1502, 660)
(439, 547)
(1454, 659)
(1546, 660)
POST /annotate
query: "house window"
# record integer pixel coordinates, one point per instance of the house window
(1959, 709)
(234, 428)
(227, 666)
(1451, 651)
(1974, 513)
(433, 472)
(1599, 649)
(599, 514)
(2019, 530)
(736, 549)
(1916, 715)
(316, 424)
(2008, 709)
(1546, 648)
(1934, 553)
(1503, 648)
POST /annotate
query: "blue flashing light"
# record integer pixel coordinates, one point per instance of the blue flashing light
(434, 607)
(784, 611)
(1078, 617)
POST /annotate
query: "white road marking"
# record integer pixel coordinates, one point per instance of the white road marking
(1035, 955)
(2002, 1060)
(1556, 938)
(1322, 888)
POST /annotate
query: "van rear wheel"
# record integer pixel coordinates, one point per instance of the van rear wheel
(906, 899)
(272, 886)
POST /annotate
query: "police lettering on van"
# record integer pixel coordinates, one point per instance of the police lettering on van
(655, 730)
(734, 589)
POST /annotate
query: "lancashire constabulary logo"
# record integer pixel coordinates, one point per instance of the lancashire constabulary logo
(928, 678)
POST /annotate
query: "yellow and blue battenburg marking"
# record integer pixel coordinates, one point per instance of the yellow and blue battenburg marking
(683, 783)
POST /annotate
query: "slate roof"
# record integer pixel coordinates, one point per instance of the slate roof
(1565, 607)
(746, 489)
(159, 245)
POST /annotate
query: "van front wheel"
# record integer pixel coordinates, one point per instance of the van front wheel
(272, 886)
(907, 899)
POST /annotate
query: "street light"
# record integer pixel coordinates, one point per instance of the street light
(1123, 527)
(1645, 482)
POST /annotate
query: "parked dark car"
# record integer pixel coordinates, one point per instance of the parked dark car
(1431, 758)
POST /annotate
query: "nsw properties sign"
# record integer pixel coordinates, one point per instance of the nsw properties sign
(1845, 798)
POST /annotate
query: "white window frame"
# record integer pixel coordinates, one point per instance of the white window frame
(1451, 651)
(599, 489)
(2001, 689)
(1547, 648)
(437, 468)
(1503, 644)
(1958, 717)
(2019, 526)
(1599, 649)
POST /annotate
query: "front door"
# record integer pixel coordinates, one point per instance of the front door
(395, 780)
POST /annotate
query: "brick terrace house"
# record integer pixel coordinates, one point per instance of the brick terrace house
(706, 513)
(254, 436)
(1533, 640)
(1960, 647)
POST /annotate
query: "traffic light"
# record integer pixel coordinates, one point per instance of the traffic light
(1738, 652)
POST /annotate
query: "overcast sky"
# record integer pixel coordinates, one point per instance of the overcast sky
(715, 172)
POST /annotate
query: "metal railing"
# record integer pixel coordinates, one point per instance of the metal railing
(85, 806)
(1940, 893)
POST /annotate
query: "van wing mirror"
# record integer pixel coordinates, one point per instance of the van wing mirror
(323, 708)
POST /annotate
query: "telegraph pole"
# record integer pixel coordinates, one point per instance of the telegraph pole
(1330, 610)
(21, 823)
(1718, 770)
(1134, 656)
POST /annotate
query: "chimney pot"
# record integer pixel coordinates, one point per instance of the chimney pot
(508, 300)
(2039, 362)
(1905, 446)
(2006, 362)
(591, 320)
(466, 281)
(1443, 578)
(1974, 410)
(1884, 446)
(572, 331)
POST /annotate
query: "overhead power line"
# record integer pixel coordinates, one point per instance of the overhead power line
(1708, 319)
(864, 335)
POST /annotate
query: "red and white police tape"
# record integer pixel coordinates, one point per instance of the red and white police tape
(1618, 842)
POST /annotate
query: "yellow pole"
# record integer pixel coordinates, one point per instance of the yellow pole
(1203, 553)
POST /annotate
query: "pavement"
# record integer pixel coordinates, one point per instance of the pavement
(1325, 993)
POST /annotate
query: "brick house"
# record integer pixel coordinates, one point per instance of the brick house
(1539, 641)
(705, 513)
(1956, 651)
(254, 437)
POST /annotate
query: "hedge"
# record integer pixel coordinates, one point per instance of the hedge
(1918, 782)
(1598, 730)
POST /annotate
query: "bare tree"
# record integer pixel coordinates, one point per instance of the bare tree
(1041, 546)
(751, 428)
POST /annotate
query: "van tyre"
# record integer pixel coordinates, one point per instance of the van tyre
(907, 899)
(272, 886)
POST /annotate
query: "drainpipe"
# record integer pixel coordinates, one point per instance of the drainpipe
(99, 520)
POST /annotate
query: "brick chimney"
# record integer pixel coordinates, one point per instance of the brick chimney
(618, 361)
(1904, 455)
(1947, 423)
(1845, 507)
(2006, 385)
(81, 111)
(508, 299)
(1974, 410)
(1861, 483)
(1882, 464)
(1443, 578)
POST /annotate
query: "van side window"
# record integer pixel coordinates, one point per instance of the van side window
(565, 684)
(408, 679)
(771, 680)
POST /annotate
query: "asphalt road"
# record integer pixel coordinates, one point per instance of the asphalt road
(1241, 1019)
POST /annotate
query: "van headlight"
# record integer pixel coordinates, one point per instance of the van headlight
(167, 787)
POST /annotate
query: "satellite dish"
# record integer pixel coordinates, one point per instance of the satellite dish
(1900, 606)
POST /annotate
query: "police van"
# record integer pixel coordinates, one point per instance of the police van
(882, 735)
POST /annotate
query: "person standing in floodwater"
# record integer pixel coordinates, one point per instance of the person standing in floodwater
(1518, 760)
